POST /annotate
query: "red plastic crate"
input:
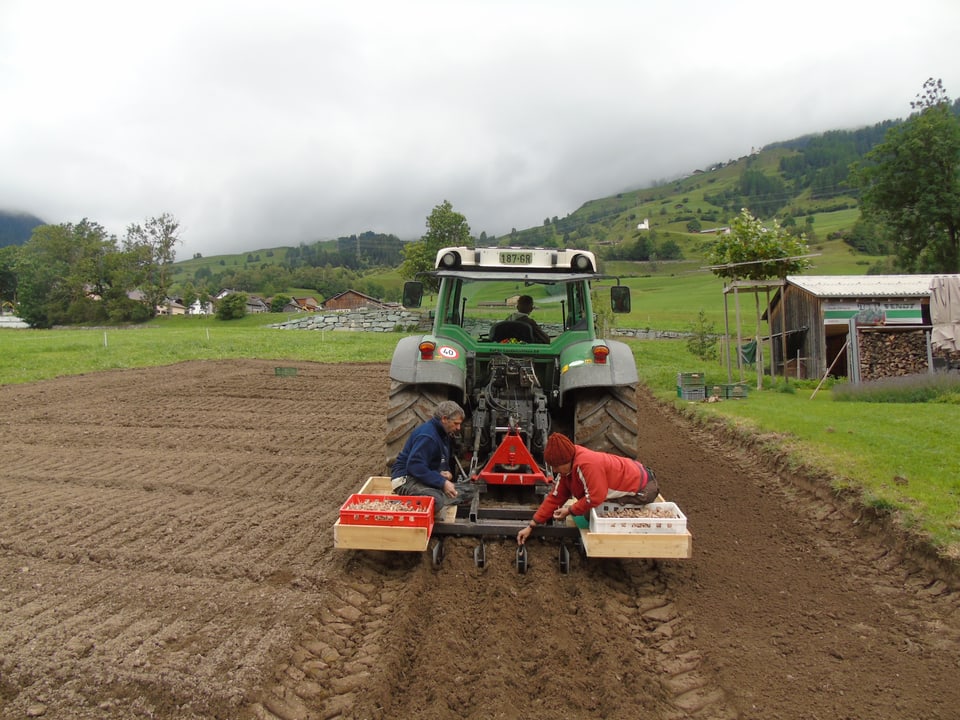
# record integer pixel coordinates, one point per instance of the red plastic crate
(418, 514)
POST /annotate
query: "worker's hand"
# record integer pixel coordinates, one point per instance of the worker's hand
(446, 474)
(523, 535)
(561, 513)
(449, 489)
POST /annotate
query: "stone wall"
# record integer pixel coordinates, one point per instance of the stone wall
(360, 320)
(400, 320)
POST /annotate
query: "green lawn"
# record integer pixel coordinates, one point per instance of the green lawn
(899, 456)
(30, 355)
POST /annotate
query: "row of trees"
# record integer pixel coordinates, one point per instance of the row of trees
(71, 273)
(268, 279)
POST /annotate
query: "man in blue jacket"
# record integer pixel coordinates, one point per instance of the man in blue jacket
(423, 466)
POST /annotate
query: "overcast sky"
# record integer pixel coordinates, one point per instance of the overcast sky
(260, 123)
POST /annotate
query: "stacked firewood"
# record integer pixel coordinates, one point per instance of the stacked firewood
(892, 354)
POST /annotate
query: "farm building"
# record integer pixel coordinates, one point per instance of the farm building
(351, 300)
(857, 326)
(306, 304)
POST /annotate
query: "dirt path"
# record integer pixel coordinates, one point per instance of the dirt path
(166, 552)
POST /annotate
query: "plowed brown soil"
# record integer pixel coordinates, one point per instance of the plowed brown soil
(166, 551)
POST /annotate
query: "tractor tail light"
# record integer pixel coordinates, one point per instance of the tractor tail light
(600, 353)
(426, 350)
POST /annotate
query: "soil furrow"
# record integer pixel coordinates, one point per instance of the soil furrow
(166, 551)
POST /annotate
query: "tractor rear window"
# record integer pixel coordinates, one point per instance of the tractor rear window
(488, 310)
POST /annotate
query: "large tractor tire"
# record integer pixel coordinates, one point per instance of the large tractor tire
(606, 420)
(410, 406)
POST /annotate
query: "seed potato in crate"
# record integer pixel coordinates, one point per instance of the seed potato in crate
(657, 517)
(389, 510)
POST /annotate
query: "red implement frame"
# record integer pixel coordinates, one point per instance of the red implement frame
(512, 464)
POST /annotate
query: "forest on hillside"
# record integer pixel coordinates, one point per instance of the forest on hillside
(327, 267)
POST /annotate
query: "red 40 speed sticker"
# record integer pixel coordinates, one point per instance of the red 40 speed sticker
(448, 352)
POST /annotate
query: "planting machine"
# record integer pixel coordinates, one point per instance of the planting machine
(515, 392)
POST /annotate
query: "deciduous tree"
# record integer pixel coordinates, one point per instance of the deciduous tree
(445, 228)
(60, 269)
(232, 306)
(154, 246)
(8, 274)
(755, 251)
(911, 184)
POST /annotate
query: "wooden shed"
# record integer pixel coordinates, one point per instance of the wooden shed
(351, 300)
(811, 317)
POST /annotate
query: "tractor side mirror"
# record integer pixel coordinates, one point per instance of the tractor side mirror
(620, 298)
(412, 294)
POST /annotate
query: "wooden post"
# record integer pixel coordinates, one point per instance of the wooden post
(726, 334)
(783, 326)
(823, 379)
(773, 364)
(736, 305)
(758, 359)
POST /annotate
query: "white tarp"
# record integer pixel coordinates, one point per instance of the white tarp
(945, 312)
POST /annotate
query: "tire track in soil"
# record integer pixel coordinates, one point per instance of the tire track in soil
(168, 553)
(491, 643)
(157, 568)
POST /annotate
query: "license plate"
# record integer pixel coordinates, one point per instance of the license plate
(516, 258)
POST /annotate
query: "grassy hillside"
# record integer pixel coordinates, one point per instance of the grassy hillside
(802, 183)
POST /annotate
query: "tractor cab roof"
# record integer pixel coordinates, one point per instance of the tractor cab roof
(545, 278)
(514, 263)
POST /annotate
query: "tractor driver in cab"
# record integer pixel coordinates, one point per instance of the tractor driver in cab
(524, 308)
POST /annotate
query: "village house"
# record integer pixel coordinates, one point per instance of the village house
(306, 304)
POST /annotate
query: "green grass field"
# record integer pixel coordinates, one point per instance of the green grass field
(895, 454)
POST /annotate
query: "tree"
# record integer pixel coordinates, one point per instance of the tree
(8, 274)
(445, 228)
(60, 269)
(232, 306)
(153, 244)
(911, 184)
(702, 341)
(279, 302)
(753, 251)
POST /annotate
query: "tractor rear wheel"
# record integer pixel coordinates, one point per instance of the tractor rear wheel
(410, 406)
(606, 420)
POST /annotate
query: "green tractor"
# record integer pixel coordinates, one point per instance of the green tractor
(515, 391)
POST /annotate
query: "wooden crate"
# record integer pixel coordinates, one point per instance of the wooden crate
(377, 485)
(620, 545)
(623, 545)
(373, 537)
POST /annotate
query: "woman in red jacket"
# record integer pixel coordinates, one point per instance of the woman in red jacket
(592, 478)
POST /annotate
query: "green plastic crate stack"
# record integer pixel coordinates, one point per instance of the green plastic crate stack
(691, 386)
(736, 391)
